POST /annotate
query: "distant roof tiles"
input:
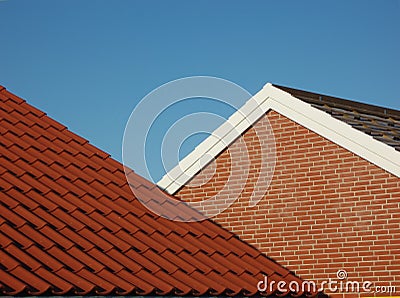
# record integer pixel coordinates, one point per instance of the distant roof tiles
(381, 123)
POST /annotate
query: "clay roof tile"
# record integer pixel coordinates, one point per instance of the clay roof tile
(70, 225)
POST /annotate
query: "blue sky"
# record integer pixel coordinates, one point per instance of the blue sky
(88, 63)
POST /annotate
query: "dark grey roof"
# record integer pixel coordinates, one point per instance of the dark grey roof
(381, 123)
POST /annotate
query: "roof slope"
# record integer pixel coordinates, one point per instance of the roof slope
(69, 224)
(381, 123)
(368, 131)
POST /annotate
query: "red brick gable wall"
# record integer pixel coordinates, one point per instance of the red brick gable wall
(326, 208)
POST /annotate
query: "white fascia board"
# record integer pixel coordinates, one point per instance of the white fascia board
(337, 131)
(268, 98)
(218, 141)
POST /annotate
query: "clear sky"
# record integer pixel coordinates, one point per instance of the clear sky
(88, 63)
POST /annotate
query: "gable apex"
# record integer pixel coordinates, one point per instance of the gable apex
(284, 101)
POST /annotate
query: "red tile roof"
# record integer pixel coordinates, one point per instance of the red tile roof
(69, 224)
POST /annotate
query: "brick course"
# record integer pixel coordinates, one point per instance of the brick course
(326, 208)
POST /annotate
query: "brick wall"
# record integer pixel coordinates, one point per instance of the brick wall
(326, 208)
